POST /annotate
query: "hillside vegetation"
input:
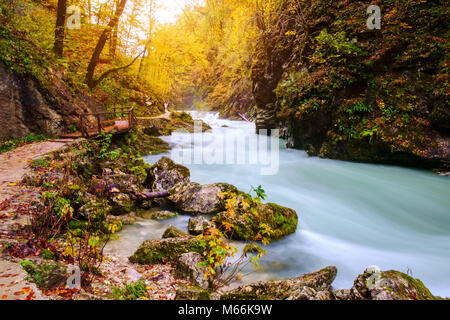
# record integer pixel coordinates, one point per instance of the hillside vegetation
(344, 91)
(42, 93)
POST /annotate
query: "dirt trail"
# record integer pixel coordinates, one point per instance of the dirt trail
(162, 116)
(13, 165)
(165, 115)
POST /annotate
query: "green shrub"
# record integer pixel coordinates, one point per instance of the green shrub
(132, 291)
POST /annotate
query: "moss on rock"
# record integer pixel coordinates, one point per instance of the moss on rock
(247, 224)
(187, 292)
(164, 250)
(155, 214)
(389, 285)
(303, 287)
(172, 232)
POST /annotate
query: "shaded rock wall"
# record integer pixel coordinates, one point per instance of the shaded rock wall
(25, 106)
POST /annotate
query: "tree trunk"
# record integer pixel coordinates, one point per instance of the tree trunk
(141, 63)
(101, 44)
(90, 11)
(149, 39)
(113, 44)
(60, 28)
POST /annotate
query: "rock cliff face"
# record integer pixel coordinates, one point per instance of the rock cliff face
(25, 106)
(342, 91)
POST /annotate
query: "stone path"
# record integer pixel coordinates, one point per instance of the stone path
(13, 165)
(13, 283)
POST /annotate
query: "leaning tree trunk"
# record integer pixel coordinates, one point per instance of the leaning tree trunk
(60, 28)
(101, 44)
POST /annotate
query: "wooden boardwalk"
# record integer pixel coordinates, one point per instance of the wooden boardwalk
(94, 124)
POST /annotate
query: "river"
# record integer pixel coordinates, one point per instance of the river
(351, 215)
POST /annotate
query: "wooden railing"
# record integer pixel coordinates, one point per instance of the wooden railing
(96, 123)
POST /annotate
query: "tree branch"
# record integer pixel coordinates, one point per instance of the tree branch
(107, 73)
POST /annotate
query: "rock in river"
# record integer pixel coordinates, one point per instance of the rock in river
(165, 174)
(246, 224)
(172, 232)
(196, 199)
(199, 225)
(164, 250)
(311, 286)
(386, 285)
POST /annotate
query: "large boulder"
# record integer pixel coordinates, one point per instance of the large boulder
(199, 225)
(246, 224)
(196, 199)
(165, 174)
(157, 251)
(187, 267)
(313, 286)
(374, 284)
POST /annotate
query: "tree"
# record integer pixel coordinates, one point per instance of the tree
(90, 81)
(60, 28)
(149, 37)
(90, 11)
(114, 37)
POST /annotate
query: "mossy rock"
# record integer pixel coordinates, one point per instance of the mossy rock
(157, 214)
(125, 220)
(177, 121)
(172, 232)
(304, 287)
(186, 292)
(246, 225)
(47, 275)
(389, 285)
(164, 250)
(121, 204)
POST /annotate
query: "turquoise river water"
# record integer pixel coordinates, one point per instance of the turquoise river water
(351, 215)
